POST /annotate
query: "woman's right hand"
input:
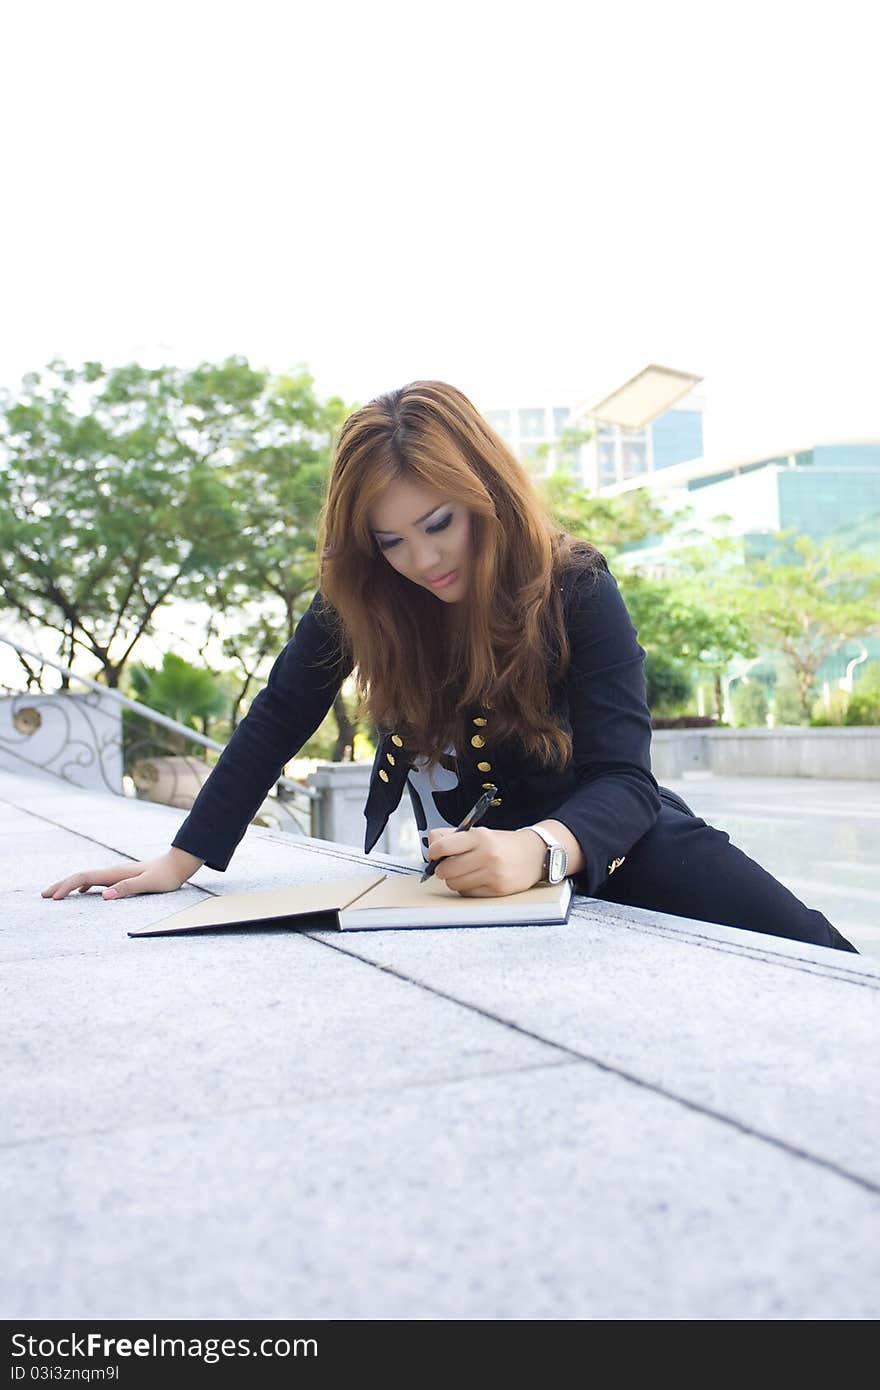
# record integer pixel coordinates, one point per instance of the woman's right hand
(123, 880)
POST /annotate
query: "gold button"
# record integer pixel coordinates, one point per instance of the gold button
(390, 757)
(488, 786)
(484, 767)
(397, 740)
(481, 722)
(383, 774)
(478, 742)
(615, 864)
(496, 802)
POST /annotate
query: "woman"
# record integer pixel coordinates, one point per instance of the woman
(491, 649)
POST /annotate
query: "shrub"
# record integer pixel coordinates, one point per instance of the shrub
(748, 705)
(864, 703)
(669, 685)
(787, 707)
(832, 713)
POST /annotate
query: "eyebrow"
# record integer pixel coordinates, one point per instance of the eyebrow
(377, 532)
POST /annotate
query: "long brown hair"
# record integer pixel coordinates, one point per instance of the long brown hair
(420, 664)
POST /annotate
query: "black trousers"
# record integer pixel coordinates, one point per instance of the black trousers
(688, 868)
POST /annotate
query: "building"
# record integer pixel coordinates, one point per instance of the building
(613, 454)
(821, 490)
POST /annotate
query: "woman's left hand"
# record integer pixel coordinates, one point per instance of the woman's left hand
(486, 863)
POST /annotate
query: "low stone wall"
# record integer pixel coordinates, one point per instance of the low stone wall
(339, 813)
(786, 752)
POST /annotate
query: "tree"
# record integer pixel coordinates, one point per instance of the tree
(122, 489)
(182, 691)
(787, 708)
(103, 509)
(277, 477)
(611, 523)
(697, 608)
(810, 599)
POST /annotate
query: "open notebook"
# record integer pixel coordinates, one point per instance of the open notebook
(377, 902)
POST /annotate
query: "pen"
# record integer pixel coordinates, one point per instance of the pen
(474, 814)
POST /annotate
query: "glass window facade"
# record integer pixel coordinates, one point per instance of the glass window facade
(847, 456)
(677, 436)
(607, 462)
(634, 457)
(817, 502)
(532, 423)
(500, 421)
(696, 483)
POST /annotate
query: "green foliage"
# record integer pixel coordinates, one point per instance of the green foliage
(787, 707)
(748, 705)
(609, 522)
(669, 686)
(323, 741)
(125, 488)
(832, 713)
(859, 708)
(180, 690)
(700, 606)
(864, 703)
(809, 599)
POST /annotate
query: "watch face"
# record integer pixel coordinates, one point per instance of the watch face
(558, 864)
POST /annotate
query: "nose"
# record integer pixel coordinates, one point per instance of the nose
(428, 558)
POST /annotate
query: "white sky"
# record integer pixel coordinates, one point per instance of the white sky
(519, 199)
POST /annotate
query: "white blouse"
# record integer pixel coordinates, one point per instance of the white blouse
(422, 786)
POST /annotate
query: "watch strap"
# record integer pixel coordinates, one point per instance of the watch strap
(552, 843)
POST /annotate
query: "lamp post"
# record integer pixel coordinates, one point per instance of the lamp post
(727, 682)
(846, 682)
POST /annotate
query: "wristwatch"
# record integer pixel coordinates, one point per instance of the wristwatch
(556, 858)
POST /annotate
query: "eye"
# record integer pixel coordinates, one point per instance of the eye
(438, 526)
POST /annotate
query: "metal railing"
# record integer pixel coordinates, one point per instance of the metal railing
(105, 745)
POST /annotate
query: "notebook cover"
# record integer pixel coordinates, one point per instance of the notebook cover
(265, 907)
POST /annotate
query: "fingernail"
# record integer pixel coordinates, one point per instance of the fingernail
(110, 893)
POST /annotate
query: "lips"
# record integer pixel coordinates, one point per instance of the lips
(441, 579)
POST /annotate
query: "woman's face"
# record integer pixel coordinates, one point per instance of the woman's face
(425, 537)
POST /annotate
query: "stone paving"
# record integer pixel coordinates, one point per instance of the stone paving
(633, 1116)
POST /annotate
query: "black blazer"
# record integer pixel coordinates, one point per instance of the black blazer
(606, 795)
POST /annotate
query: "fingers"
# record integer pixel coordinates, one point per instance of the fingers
(126, 887)
(472, 884)
(66, 885)
(90, 878)
(451, 842)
